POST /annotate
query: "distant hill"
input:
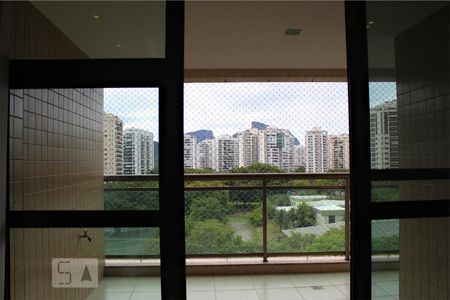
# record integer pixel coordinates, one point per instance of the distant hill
(203, 134)
(262, 126)
(259, 125)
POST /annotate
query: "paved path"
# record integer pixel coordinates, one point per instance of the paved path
(241, 229)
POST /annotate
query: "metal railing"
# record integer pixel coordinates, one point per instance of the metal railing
(264, 183)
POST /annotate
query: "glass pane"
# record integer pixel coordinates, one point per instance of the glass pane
(410, 190)
(85, 263)
(89, 29)
(63, 142)
(408, 46)
(410, 258)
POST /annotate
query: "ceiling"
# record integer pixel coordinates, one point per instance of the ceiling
(391, 19)
(122, 29)
(236, 35)
(219, 34)
(250, 35)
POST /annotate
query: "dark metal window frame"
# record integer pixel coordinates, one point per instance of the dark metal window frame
(361, 176)
(167, 75)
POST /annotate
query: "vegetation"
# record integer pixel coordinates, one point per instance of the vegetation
(300, 216)
(230, 221)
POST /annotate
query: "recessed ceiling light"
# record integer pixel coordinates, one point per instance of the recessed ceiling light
(292, 31)
(119, 45)
(96, 17)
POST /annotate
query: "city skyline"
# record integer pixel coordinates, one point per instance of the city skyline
(224, 108)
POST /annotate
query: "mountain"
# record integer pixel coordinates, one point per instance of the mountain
(259, 125)
(202, 134)
(262, 126)
(205, 134)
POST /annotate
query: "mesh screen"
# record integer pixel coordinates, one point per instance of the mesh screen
(237, 128)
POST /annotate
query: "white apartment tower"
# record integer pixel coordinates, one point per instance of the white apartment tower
(248, 147)
(227, 153)
(338, 152)
(113, 144)
(384, 135)
(276, 147)
(299, 156)
(316, 143)
(190, 143)
(206, 156)
(138, 151)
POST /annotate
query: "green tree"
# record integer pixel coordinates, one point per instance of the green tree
(385, 243)
(300, 170)
(332, 240)
(300, 216)
(206, 208)
(199, 171)
(256, 217)
(296, 242)
(242, 199)
(211, 236)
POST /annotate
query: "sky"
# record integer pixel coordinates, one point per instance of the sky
(226, 108)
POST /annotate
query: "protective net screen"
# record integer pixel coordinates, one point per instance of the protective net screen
(248, 128)
(290, 126)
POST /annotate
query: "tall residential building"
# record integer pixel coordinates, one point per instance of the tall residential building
(299, 156)
(316, 150)
(138, 151)
(248, 147)
(227, 153)
(384, 135)
(190, 143)
(338, 152)
(113, 144)
(206, 154)
(276, 148)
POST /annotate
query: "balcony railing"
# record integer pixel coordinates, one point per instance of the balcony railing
(242, 214)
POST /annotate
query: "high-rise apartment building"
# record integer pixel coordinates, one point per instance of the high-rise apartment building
(248, 147)
(338, 152)
(384, 135)
(206, 154)
(276, 147)
(113, 144)
(227, 153)
(316, 142)
(298, 156)
(138, 151)
(190, 145)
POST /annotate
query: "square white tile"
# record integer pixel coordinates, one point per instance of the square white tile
(148, 284)
(323, 293)
(155, 295)
(279, 294)
(109, 296)
(201, 295)
(236, 295)
(303, 280)
(271, 281)
(233, 283)
(200, 283)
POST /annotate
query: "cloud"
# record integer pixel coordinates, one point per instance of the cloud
(227, 108)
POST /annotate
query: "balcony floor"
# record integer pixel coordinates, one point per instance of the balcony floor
(316, 286)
